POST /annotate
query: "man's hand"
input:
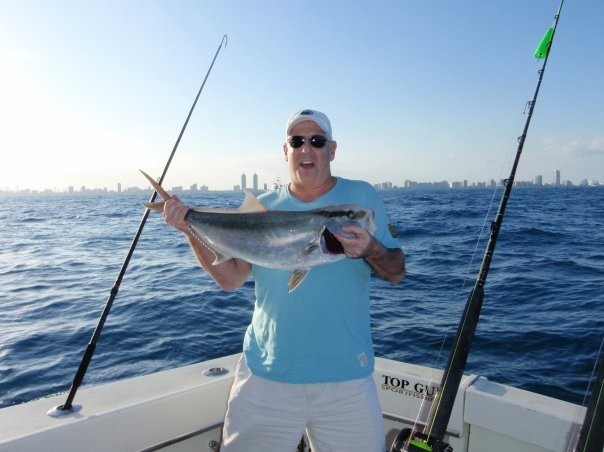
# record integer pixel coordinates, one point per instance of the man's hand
(174, 213)
(356, 241)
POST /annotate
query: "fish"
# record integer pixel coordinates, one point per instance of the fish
(278, 239)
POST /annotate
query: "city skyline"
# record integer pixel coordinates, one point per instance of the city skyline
(414, 90)
(537, 181)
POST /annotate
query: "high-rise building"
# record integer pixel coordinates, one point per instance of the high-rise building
(538, 180)
(255, 181)
(557, 177)
(243, 184)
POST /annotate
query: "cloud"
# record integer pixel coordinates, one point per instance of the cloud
(593, 147)
(577, 148)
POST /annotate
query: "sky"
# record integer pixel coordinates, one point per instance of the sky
(91, 91)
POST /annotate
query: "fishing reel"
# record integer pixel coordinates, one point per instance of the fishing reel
(408, 440)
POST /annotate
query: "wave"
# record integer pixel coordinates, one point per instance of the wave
(540, 327)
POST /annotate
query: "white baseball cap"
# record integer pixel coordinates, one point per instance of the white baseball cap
(310, 115)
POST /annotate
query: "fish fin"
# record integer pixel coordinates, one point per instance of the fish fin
(219, 258)
(158, 188)
(251, 204)
(297, 277)
(158, 206)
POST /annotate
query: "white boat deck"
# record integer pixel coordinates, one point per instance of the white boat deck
(182, 409)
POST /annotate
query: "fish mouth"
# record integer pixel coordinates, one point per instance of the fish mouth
(330, 244)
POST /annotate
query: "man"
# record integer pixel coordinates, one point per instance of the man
(308, 355)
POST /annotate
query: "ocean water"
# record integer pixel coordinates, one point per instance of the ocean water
(541, 326)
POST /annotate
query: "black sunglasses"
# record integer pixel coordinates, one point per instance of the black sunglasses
(316, 141)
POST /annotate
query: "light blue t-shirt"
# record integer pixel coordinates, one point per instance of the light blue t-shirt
(321, 331)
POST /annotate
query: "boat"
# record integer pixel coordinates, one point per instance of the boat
(182, 409)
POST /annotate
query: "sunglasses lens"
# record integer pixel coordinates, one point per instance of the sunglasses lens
(296, 141)
(318, 141)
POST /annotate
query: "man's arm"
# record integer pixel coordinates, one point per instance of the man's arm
(229, 275)
(388, 263)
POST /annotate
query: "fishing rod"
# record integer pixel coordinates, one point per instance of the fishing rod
(68, 406)
(591, 436)
(432, 438)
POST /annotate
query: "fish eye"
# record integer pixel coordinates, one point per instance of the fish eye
(353, 215)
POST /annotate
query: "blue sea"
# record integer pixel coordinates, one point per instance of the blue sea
(541, 326)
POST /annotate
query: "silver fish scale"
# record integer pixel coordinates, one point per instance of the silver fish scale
(276, 239)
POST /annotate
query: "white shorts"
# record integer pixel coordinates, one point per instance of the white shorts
(269, 416)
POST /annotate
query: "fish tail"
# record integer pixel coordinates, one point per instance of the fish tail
(159, 206)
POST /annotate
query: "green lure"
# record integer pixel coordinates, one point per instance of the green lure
(543, 47)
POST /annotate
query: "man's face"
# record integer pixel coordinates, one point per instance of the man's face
(309, 166)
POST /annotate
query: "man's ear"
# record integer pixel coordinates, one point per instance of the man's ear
(332, 150)
(285, 151)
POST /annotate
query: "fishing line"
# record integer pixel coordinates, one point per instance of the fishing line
(593, 372)
(590, 436)
(68, 406)
(454, 371)
(432, 438)
(510, 150)
(506, 163)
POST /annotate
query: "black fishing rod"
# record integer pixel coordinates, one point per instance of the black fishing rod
(591, 436)
(432, 438)
(68, 407)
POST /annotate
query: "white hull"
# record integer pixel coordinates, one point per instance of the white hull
(182, 409)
